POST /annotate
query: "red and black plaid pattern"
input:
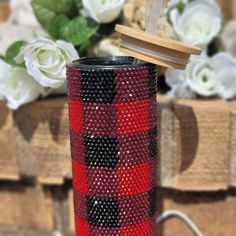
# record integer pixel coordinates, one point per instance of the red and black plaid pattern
(113, 145)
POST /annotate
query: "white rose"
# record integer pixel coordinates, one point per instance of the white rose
(46, 60)
(202, 78)
(206, 77)
(225, 68)
(199, 23)
(176, 79)
(103, 11)
(4, 71)
(18, 87)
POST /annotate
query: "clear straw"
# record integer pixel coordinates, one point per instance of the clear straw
(155, 10)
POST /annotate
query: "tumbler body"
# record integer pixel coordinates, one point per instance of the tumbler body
(112, 109)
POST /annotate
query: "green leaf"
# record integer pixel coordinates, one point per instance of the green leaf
(46, 10)
(214, 47)
(55, 24)
(181, 6)
(79, 30)
(42, 13)
(13, 51)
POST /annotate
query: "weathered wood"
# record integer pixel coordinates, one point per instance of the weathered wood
(213, 213)
(194, 143)
(165, 139)
(71, 215)
(4, 10)
(201, 144)
(28, 207)
(60, 209)
(233, 144)
(8, 164)
(17, 231)
(43, 133)
(228, 8)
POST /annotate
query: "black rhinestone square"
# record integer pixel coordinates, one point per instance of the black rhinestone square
(152, 201)
(98, 86)
(153, 143)
(101, 151)
(152, 81)
(103, 212)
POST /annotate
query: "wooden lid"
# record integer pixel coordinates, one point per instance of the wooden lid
(161, 51)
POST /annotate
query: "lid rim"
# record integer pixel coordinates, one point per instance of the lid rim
(123, 62)
(162, 42)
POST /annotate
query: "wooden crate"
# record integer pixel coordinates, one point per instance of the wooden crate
(213, 213)
(196, 143)
(43, 146)
(4, 10)
(201, 144)
(228, 8)
(17, 231)
(196, 139)
(233, 144)
(26, 206)
(8, 164)
(34, 209)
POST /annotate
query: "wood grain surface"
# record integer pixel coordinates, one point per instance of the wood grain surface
(26, 206)
(201, 144)
(213, 213)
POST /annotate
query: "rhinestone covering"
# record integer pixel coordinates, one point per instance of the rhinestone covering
(113, 144)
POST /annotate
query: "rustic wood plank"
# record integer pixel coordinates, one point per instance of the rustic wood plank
(71, 215)
(60, 209)
(213, 213)
(4, 10)
(8, 164)
(165, 139)
(17, 231)
(233, 144)
(228, 8)
(51, 142)
(24, 137)
(201, 144)
(234, 10)
(193, 144)
(26, 206)
(43, 133)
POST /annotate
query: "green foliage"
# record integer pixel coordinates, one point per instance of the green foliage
(52, 14)
(214, 47)
(45, 10)
(181, 6)
(12, 52)
(55, 25)
(79, 30)
(62, 20)
(43, 14)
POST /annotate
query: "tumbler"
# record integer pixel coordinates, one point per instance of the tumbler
(112, 112)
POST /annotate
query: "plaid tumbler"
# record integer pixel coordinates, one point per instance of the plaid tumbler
(112, 109)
